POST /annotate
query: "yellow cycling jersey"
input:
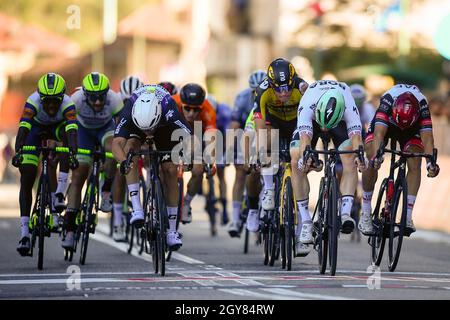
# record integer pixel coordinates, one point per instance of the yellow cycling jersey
(267, 102)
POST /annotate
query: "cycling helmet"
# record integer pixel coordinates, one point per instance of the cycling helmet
(51, 85)
(405, 110)
(128, 85)
(95, 87)
(146, 112)
(169, 86)
(330, 109)
(281, 75)
(213, 102)
(358, 93)
(192, 94)
(256, 78)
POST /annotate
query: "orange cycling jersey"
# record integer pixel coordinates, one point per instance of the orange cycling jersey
(207, 115)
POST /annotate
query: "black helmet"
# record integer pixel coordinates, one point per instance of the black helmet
(169, 86)
(281, 74)
(192, 94)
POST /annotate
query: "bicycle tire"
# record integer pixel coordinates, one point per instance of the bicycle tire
(210, 205)
(320, 228)
(42, 221)
(246, 239)
(283, 246)
(395, 242)
(378, 240)
(87, 221)
(265, 239)
(273, 238)
(289, 231)
(162, 224)
(334, 227)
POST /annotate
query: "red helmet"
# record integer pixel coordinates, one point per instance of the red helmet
(405, 110)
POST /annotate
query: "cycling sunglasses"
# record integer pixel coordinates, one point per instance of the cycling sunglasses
(49, 99)
(190, 108)
(282, 88)
(93, 97)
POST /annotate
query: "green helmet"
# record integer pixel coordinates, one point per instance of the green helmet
(330, 109)
(95, 83)
(51, 85)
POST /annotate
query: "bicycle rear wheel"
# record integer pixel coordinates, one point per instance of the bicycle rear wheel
(398, 222)
(378, 240)
(333, 225)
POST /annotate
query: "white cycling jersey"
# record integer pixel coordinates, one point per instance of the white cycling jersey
(90, 119)
(41, 116)
(307, 107)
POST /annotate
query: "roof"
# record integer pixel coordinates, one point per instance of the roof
(18, 36)
(154, 22)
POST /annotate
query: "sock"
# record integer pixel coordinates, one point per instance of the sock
(187, 199)
(236, 211)
(117, 211)
(24, 231)
(62, 182)
(303, 211)
(346, 205)
(367, 202)
(172, 214)
(268, 182)
(411, 201)
(53, 201)
(135, 197)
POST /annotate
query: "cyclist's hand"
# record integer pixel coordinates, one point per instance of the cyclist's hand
(73, 161)
(376, 162)
(362, 166)
(124, 168)
(433, 171)
(17, 160)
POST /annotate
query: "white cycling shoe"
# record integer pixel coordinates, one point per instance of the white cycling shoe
(365, 225)
(253, 220)
(137, 219)
(173, 240)
(106, 203)
(302, 250)
(306, 236)
(268, 199)
(119, 234)
(234, 229)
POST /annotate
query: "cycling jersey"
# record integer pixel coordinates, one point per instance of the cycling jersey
(34, 113)
(367, 112)
(383, 115)
(266, 102)
(307, 108)
(250, 122)
(207, 115)
(223, 117)
(91, 119)
(243, 104)
(170, 115)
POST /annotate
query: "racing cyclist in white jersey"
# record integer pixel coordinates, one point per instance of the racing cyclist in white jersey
(96, 105)
(326, 107)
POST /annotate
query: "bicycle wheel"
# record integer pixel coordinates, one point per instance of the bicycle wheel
(43, 203)
(210, 205)
(274, 231)
(162, 217)
(321, 230)
(289, 232)
(333, 225)
(398, 222)
(265, 237)
(87, 221)
(378, 240)
(283, 246)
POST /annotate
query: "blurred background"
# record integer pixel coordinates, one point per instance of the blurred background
(219, 42)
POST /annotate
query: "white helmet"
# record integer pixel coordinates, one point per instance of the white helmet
(146, 111)
(256, 78)
(128, 85)
(358, 91)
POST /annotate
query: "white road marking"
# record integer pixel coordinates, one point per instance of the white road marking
(202, 282)
(250, 293)
(292, 293)
(247, 282)
(59, 281)
(5, 225)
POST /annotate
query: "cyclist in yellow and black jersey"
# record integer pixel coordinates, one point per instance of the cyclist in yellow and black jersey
(276, 106)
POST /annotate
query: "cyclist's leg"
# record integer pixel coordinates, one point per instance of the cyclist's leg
(28, 172)
(105, 136)
(223, 192)
(413, 177)
(132, 179)
(238, 192)
(61, 189)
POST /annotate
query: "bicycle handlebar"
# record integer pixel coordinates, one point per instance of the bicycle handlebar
(431, 157)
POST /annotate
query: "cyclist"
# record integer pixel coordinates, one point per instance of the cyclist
(127, 86)
(276, 102)
(96, 105)
(243, 104)
(48, 114)
(326, 107)
(403, 114)
(366, 112)
(193, 105)
(223, 112)
(150, 111)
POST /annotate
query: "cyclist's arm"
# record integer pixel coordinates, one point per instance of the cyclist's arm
(25, 125)
(70, 116)
(379, 133)
(118, 146)
(426, 126)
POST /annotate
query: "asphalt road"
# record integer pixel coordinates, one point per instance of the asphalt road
(216, 268)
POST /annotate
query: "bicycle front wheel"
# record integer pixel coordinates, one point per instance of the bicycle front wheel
(320, 229)
(161, 237)
(378, 240)
(398, 222)
(44, 202)
(289, 232)
(333, 225)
